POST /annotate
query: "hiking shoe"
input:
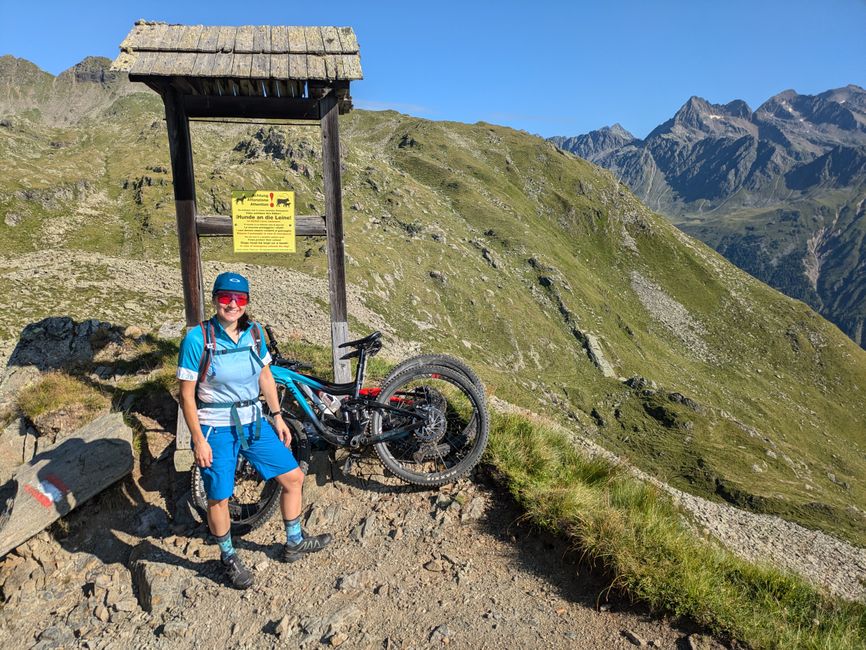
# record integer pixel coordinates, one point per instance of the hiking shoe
(294, 552)
(238, 574)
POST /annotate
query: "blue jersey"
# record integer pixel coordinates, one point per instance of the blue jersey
(230, 378)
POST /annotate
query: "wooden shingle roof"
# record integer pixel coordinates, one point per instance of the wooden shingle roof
(325, 54)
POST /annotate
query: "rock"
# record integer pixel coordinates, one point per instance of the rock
(396, 533)
(58, 341)
(435, 565)
(56, 636)
(283, 626)
(634, 638)
(342, 616)
(101, 613)
(337, 639)
(702, 642)
(151, 520)
(175, 629)
(170, 330)
(440, 635)
(475, 510)
(363, 531)
(126, 605)
(157, 583)
(679, 398)
(356, 580)
(596, 355)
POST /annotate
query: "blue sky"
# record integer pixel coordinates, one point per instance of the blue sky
(553, 68)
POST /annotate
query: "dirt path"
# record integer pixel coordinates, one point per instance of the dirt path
(408, 569)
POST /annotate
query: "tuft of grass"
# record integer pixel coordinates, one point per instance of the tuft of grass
(58, 390)
(635, 533)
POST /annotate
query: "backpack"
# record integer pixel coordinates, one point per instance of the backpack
(208, 333)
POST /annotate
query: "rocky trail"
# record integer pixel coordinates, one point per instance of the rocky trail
(408, 569)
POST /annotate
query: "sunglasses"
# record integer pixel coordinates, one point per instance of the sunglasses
(225, 298)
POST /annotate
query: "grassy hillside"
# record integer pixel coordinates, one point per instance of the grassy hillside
(492, 244)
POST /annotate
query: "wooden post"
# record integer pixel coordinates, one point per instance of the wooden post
(334, 223)
(183, 175)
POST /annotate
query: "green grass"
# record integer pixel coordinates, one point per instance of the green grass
(57, 390)
(636, 534)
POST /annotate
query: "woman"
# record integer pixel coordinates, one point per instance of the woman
(222, 370)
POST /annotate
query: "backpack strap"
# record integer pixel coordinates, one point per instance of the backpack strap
(256, 350)
(208, 336)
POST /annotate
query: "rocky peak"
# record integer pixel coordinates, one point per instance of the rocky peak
(698, 118)
(594, 144)
(93, 69)
(20, 71)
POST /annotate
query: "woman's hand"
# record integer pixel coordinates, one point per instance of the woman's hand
(283, 431)
(203, 454)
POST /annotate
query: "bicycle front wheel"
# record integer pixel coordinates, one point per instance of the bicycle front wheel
(448, 420)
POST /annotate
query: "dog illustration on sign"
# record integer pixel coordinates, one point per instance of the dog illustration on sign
(284, 202)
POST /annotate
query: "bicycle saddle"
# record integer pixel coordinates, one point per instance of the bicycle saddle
(365, 342)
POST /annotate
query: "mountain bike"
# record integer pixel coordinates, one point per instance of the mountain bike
(427, 422)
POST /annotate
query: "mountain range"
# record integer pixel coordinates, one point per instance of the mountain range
(566, 293)
(779, 191)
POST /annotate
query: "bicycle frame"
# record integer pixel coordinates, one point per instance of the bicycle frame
(356, 409)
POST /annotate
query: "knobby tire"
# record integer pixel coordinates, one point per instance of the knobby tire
(455, 436)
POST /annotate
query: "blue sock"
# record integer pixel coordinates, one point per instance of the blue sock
(294, 534)
(225, 544)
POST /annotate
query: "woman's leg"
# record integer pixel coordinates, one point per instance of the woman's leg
(271, 458)
(297, 544)
(291, 498)
(218, 517)
(219, 483)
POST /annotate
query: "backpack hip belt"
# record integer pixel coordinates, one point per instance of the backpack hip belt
(236, 418)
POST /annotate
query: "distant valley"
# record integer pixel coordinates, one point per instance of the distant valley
(779, 191)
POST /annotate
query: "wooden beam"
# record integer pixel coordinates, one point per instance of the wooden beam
(221, 226)
(251, 107)
(183, 176)
(334, 220)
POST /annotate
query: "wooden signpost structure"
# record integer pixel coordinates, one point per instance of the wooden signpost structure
(249, 72)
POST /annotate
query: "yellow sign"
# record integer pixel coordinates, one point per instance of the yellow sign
(263, 221)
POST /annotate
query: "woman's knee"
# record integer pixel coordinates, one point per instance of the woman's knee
(217, 503)
(291, 480)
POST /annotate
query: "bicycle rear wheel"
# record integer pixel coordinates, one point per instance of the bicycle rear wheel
(452, 421)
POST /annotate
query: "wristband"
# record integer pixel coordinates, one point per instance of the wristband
(274, 414)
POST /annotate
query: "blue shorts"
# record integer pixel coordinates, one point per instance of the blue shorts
(268, 455)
